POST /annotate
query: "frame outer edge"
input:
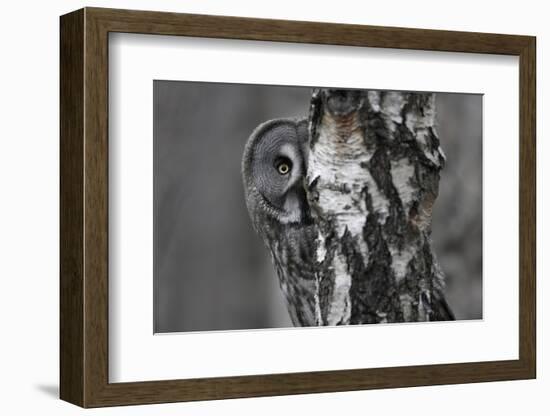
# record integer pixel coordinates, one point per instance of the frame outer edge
(301, 31)
(71, 291)
(528, 208)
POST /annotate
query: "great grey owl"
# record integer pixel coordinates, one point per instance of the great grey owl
(273, 170)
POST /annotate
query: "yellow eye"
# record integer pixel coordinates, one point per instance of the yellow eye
(283, 168)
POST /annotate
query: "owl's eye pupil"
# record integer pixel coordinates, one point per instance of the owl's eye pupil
(283, 167)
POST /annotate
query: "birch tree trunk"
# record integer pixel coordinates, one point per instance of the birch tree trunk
(372, 179)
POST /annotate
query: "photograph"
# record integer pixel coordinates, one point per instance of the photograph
(293, 206)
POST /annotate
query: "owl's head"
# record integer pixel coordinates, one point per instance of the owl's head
(273, 170)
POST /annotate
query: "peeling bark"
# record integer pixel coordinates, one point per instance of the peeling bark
(372, 179)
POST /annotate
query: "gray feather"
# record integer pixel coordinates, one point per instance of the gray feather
(279, 211)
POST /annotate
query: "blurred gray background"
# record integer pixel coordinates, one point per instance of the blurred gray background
(211, 270)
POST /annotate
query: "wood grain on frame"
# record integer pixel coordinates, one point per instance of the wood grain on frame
(71, 197)
(84, 207)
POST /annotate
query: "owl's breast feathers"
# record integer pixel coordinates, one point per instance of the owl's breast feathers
(293, 253)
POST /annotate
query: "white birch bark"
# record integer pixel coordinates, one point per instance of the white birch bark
(372, 179)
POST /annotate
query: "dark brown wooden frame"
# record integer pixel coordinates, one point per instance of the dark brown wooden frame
(84, 213)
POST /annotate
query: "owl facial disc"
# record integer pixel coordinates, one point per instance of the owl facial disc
(274, 169)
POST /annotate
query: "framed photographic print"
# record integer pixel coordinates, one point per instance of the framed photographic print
(255, 207)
